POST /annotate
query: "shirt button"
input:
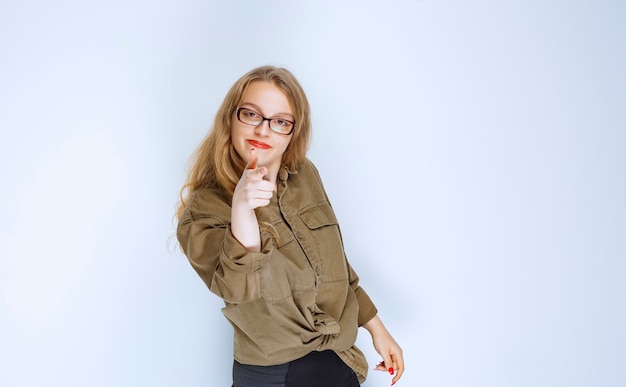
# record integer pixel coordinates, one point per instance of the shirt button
(318, 270)
(298, 235)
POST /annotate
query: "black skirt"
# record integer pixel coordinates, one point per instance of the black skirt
(317, 369)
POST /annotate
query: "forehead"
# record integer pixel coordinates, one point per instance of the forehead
(267, 97)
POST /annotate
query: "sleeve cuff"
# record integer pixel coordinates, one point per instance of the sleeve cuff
(367, 309)
(239, 259)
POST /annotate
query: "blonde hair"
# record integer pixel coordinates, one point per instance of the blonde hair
(216, 163)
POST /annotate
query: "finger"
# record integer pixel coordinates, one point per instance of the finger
(264, 185)
(380, 366)
(260, 203)
(388, 364)
(252, 160)
(399, 363)
(263, 194)
(256, 176)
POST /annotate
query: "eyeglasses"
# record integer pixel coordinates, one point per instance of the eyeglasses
(278, 125)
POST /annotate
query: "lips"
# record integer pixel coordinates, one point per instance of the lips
(258, 144)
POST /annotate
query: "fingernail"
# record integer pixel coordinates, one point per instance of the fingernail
(391, 371)
(393, 383)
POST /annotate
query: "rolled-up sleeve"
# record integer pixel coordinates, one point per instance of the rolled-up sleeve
(367, 309)
(227, 268)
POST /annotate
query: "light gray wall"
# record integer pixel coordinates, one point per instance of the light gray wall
(473, 151)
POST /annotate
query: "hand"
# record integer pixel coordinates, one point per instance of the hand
(386, 346)
(252, 190)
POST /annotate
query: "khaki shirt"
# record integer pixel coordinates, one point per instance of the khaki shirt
(299, 293)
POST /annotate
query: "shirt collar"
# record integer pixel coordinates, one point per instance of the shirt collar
(284, 172)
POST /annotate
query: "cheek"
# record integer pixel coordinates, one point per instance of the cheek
(237, 140)
(237, 135)
(285, 145)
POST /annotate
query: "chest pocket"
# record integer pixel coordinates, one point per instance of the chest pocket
(324, 231)
(318, 215)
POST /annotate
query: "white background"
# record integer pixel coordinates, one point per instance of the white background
(474, 153)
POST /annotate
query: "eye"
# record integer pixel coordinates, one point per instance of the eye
(282, 123)
(251, 114)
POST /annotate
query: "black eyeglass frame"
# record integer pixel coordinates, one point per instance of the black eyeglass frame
(263, 119)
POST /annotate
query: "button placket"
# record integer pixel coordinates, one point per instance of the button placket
(296, 225)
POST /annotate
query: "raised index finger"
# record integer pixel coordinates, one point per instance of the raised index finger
(252, 160)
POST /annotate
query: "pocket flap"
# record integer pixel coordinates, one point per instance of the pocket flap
(318, 215)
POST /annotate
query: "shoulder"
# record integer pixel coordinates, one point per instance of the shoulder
(308, 169)
(207, 202)
(307, 163)
(305, 184)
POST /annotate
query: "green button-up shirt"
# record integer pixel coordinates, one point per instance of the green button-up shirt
(299, 293)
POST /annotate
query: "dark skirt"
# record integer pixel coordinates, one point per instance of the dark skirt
(317, 369)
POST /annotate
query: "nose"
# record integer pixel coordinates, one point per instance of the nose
(263, 129)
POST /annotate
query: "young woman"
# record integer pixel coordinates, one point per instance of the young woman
(258, 228)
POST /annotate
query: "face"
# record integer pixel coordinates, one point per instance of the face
(269, 101)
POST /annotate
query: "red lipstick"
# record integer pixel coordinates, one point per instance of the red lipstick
(258, 144)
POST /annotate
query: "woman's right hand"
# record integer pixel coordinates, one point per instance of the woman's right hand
(252, 191)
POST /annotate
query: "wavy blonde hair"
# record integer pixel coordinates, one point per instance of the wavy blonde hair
(216, 163)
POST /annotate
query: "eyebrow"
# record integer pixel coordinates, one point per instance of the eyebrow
(258, 108)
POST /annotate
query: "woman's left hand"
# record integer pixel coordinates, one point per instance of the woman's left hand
(386, 346)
